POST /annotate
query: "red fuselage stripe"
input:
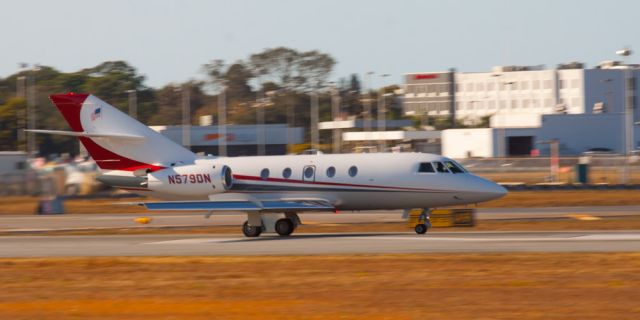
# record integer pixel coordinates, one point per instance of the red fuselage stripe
(254, 178)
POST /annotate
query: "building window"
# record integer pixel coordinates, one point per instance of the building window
(561, 84)
(524, 85)
(331, 172)
(264, 174)
(547, 84)
(469, 86)
(286, 173)
(492, 104)
(525, 103)
(480, 86)
(353, 171)
(503, 104)
(536, 84)
(490, 86)
(514, 104)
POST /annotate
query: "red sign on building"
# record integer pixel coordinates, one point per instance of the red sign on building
(425, 76)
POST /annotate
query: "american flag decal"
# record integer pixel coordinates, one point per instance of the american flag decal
(96, 114)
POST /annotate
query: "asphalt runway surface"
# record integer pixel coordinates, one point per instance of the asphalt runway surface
(34, 223)
(316, 244)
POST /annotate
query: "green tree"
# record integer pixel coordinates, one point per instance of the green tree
(12, 119)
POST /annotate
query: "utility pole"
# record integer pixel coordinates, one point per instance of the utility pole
(133, 103)
(222, 121)
(314, 121)
(335, 114)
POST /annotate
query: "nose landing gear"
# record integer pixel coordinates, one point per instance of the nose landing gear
(424, 222)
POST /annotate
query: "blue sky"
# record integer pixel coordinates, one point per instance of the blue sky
(168, 41)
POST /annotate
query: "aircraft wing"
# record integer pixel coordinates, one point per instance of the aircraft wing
(242, 205)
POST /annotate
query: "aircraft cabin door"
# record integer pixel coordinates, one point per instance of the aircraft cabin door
(309, 173)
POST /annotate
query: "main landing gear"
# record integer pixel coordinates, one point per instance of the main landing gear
(282, 224)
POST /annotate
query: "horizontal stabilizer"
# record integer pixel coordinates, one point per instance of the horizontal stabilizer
(266, 205)
(88, 134)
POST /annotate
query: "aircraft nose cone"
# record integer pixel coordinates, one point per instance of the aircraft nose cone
(488, 190)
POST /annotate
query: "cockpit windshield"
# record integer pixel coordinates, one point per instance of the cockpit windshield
(440, 167)
(453, 167)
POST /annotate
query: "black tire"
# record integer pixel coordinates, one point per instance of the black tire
(251, 231)
(285, 227)
(421, 228)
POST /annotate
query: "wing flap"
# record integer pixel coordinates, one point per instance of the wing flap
(265, 205)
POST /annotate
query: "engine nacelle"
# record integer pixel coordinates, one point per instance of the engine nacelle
(192, 180)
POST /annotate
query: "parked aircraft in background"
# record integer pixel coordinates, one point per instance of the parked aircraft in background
(271, 190)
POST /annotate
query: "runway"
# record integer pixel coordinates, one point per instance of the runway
(34, 223)
(316, 244)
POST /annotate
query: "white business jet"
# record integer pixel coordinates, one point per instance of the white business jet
(271, 190)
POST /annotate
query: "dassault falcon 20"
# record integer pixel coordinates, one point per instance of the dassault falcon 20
(271, 190)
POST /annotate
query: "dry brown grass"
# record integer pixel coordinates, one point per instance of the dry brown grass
(416, 286)
(28, 205)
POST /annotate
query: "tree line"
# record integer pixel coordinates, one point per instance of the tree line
(284, 75)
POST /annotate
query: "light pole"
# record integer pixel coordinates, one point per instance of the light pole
(261, 103)
(367, 106)
(186, 115)
(21, 84)
(628, 110)
(31, 109)
(335, 114)
(315, 137)
(222, 121)
(133, 103)
(500, 130)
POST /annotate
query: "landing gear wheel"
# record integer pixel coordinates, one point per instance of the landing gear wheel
(421, 228)
(285, 227)
(251, 231)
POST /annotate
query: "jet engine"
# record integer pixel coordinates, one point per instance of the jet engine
(191, 180)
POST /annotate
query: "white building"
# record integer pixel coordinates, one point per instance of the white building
(516, 90)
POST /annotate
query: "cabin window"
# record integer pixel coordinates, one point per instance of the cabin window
(353, 171)
(264, 174)
(286, 173)
(331, 171)
(453, 167)
(440, 167)
(308, 172)
(426, 167)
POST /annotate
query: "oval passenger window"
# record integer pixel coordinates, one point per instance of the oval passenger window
(264, 174)
(331, 171)
(353, 171)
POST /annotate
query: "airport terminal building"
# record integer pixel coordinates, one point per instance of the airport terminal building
(528, 106)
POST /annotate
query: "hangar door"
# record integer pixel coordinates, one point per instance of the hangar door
(519, 146)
